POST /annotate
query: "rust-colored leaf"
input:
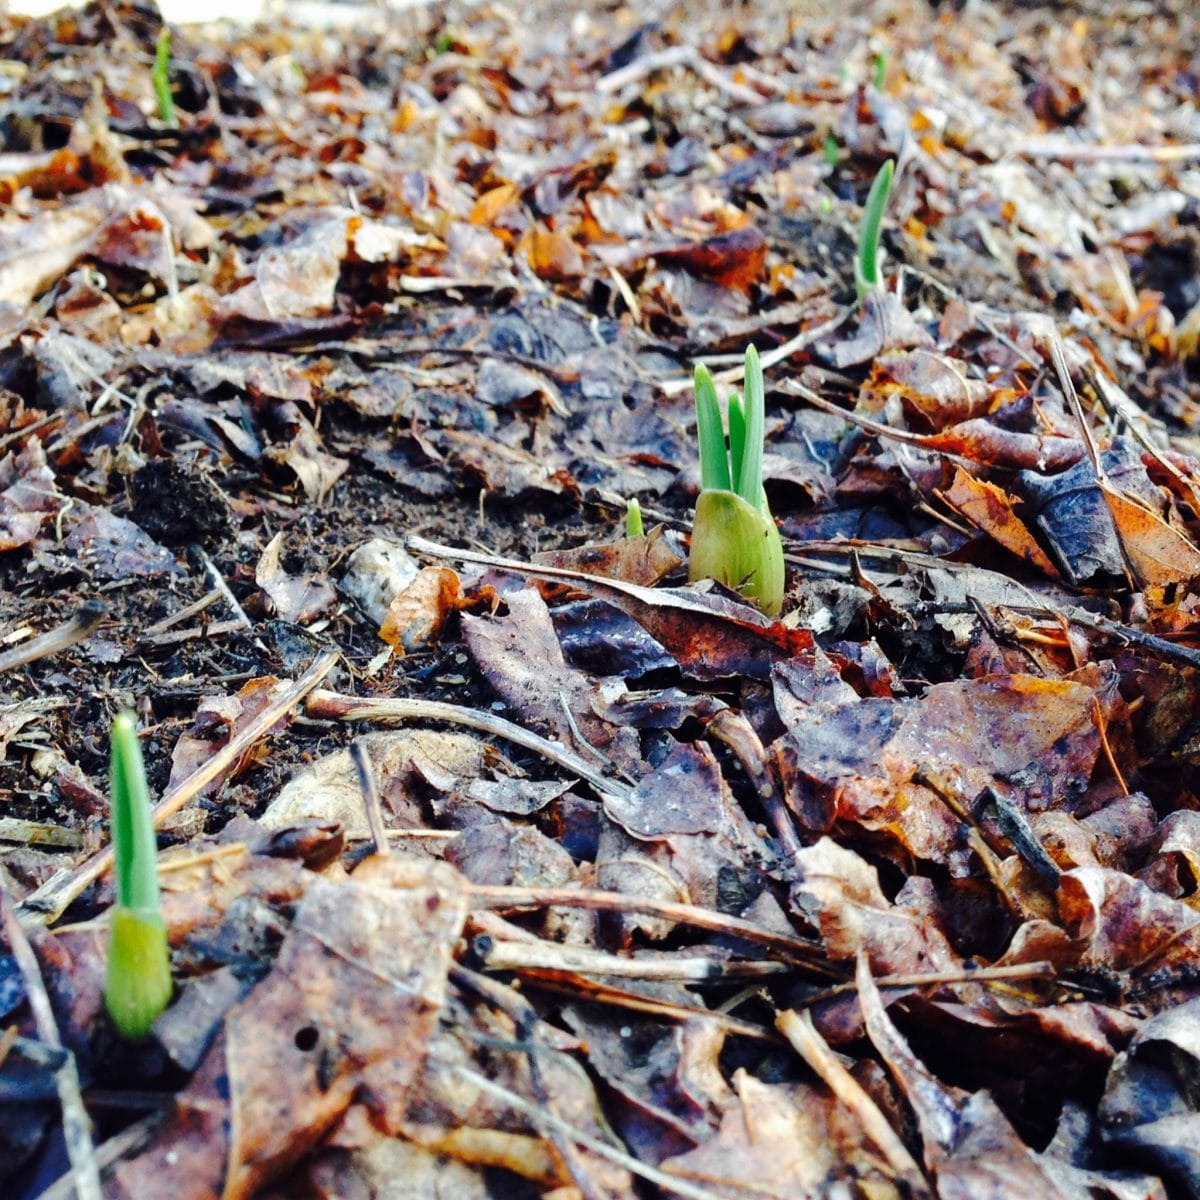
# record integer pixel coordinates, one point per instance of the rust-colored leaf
(990, 509)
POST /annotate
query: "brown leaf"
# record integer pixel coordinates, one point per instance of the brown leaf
(297, 598)
(219, 719)
(839, 893)
(415, 618)
(113, 547)
(885, 324)
(990, 508)
(641, 560)
(778, 1142)
(28, 495)
(972, 734)
(930, 385)
(1157, 552)
(316, 468)
(350, 1006)
(731, 260)
(522, 659)
(551, 254)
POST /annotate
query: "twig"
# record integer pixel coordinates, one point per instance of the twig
(673, 387)
(418, 284)
(591, 991)
(798, 1028)
(1019, 972)
(192, 610)
(1130, 152)
(676, 56)
(39, 833)
(786, 946)
(50, 900)
(335, 706)
(1146, 641)
(173, 637)
(542, 1120)
(370, 796)
(55, 641)
(525, 1022)
(733, 730)
(107, 1153)
(553, 956)
(230, 599)
(85, 1175)
(17, 434)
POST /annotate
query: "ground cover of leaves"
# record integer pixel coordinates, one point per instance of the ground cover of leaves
(497, 861)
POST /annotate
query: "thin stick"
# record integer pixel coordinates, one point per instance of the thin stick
(733, 730)
(192, 610)
(543, 1121)
(676, 56)
(1102, 730)
(799, 1030)
(56, 640)
(17, 434)
(1065, 151)
(85, 1175)
(1062, 369)
(590, 991)
(525, 1022)
(553, 956)
(1018, 972)
(370, 796)
(39, 833)
(230, 599)
(48, 903)
(673, 387)
(173, 637)
(335, 706)
(108, 1152)
(791, 948)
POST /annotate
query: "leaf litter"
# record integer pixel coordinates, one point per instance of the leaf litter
(319, 410)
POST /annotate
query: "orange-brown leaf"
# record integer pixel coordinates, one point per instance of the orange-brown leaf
(990, 509)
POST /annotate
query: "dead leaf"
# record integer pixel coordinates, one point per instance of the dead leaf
(350, 1004)
(298, 599)
(417, 615)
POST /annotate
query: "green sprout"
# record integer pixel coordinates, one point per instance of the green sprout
(734, 537)
(866, 265)
(879, 75)
(633, 518)
(138, 982)
(162, 78)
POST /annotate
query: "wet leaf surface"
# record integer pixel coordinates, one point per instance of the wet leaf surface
(319, 414)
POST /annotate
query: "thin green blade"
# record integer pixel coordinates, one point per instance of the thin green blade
(737, 439)
(750, 477)
(633, 518)
(161, 76)
(866, 266)
(134, 848)
(714, 460)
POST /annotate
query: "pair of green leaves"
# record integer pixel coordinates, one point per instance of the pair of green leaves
(734, 537)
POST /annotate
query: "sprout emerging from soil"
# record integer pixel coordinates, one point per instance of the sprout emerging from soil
(734, 537)
(162, 78)
(866, 264)
(633, 518)
(879, 73)
(138, 983)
